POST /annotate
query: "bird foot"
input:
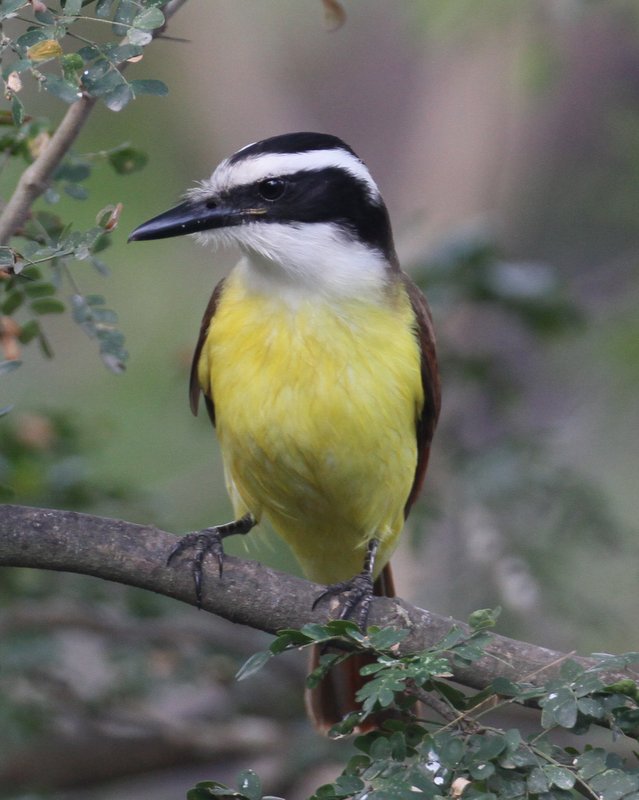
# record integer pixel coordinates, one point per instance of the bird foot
(208, 540)
(358, 592)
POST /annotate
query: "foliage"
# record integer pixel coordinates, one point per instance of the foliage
(58, 48)
(422, 756)
(48, 51)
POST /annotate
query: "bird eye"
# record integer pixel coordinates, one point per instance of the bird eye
(271, 189)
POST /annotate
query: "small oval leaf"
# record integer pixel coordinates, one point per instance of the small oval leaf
(149, 19)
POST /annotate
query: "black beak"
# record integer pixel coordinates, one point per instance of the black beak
(189, 217)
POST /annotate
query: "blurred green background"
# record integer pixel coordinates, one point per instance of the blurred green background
(505, 139)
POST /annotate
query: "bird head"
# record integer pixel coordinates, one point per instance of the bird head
(303, 201)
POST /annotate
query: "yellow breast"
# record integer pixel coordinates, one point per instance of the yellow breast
(316, 406)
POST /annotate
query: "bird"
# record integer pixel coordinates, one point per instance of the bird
(316, 360)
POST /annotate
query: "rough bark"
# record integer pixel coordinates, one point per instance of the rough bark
(248, 593)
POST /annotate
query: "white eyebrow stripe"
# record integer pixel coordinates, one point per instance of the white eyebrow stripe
(270, 165)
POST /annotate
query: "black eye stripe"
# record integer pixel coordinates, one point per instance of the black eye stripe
(327, 195)
(271, 188)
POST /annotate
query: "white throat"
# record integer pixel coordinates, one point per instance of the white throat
(297, 261)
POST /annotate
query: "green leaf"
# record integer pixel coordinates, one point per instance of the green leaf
(450, 749)
(316, 632)
(484, 618)
(380, 749)
(148, 20)
(483, 771)
(626, 687)
(588, 683)
(73, 7)
(348, 785)
(371, 669)
(250, 785)
(17, 110)
(124, 14)
(28, 39)
(505, 687)
(473, 648)
(380, 691)
(123, 52)
(40, 289)
(346, 628)
(29, 331)
(450, 639)
(76, 191)
(560, 777)
(613, 784)
(126, 160)
(73, 171)
(287, 639)
(104, 8)
(537, 782)
(12, 302)
(71, 64)
(20, 65)
(118, 98)
(103, 81)
(570, 670)
(385, 638)
(253, 664)
(62, 89)
(8, 7)
(47, 305)
(47, 18)
(139, 38)
(205, 790)
(154, 87)
(559, 708)
(591, 707)
(489, 746)
(7, 258)
(591, 763)
(45, 346)
(326, 661)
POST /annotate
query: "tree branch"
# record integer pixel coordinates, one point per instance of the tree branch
(248, 593)
(35, 178)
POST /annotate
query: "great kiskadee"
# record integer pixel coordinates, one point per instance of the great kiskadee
(316, 358)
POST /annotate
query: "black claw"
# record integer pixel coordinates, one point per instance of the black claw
(359, 594)
(358, 590)
(197, 580)
(207, 541)
(201, 542)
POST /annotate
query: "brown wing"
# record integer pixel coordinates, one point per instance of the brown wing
(430, 382)
(194, 383)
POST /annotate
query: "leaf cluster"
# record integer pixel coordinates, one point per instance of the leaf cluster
(27, 293)
(48, 50)
(249, 787)
(455, 752)
(60, 47)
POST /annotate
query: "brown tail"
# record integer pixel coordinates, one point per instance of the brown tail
(334, 698)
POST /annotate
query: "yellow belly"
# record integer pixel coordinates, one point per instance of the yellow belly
(315, 412)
